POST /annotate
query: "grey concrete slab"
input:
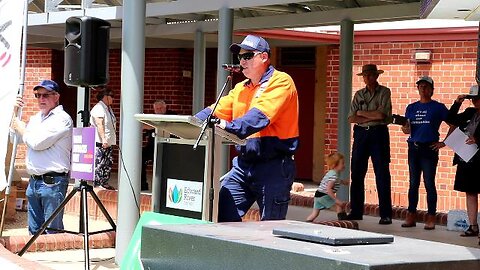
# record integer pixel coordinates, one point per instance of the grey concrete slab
(251, 245)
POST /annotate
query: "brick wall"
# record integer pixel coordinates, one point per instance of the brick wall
(453, 70)
(163, 80)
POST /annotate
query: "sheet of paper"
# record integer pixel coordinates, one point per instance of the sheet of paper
(456, 141)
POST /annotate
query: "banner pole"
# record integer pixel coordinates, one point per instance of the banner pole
(19, 114)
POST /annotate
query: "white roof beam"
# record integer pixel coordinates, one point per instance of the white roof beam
(186, 6)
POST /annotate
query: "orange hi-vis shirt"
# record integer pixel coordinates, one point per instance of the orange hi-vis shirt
(265, 114)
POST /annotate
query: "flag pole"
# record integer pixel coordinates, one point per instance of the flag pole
(19, 114)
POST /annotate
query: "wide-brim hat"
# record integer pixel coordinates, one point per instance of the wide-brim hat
(370, 68)
(49, 85)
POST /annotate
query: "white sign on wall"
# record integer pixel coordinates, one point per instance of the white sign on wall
(185, 195)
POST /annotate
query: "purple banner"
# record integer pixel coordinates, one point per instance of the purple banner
(83, 153)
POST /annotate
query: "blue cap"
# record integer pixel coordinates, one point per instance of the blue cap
(251, 43)
(49, 85)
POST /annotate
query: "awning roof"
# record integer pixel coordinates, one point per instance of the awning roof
(173, 23)
(468, 10)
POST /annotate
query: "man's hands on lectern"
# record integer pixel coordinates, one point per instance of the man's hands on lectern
(222, 124)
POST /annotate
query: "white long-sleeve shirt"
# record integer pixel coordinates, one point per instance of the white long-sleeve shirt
(49, 142)
(101, 110)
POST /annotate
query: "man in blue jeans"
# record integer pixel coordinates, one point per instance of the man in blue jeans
(48, 137)
(371, 112)
(424, 119)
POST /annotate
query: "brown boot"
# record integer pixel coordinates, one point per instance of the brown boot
(410, 221)
(430, 223)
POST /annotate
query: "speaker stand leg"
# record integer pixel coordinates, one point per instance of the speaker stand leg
(83, 188)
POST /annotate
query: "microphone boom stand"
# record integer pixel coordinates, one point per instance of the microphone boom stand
(211, 122)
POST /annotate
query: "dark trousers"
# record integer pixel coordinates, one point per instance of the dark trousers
(373, 143)
(147, 156)
(266, 182)
(422, 159)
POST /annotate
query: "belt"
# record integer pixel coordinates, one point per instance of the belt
(422, 144)
(97, 144)
(48, 174)
(370, 127)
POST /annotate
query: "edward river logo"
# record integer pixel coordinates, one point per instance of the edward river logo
(175, 194)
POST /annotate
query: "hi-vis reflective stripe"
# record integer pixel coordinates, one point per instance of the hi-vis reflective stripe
(260, 90)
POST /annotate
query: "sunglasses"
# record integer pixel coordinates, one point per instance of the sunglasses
(38, 95)
(247, 56)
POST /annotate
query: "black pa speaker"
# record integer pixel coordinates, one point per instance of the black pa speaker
(86, 51)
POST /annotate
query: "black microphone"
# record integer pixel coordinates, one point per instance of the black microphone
(232, 67)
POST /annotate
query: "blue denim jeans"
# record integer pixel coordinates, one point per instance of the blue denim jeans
(422, 159)
(266, 182)
(43, 199)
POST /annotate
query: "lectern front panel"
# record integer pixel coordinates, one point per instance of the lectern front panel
(182, 180)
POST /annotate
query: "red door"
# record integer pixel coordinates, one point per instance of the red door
(304, 79)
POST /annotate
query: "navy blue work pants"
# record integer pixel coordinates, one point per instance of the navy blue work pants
(374, 143)
(266, 182)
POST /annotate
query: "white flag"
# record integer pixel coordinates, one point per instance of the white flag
(11, 22)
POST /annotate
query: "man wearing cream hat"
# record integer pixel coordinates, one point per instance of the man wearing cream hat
(370, 112)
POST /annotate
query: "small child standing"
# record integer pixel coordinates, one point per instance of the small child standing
(325, 195)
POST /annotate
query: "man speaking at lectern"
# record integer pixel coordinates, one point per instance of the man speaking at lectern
(263, 109)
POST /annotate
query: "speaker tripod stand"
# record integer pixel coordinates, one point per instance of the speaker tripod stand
(84, 188)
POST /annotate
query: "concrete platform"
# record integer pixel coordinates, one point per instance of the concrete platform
(251, 245)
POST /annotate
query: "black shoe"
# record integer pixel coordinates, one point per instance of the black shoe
(107, 186)
(342, 216)
(385, 221)
(353, 217)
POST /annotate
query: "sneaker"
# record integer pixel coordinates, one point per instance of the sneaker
(385, 221)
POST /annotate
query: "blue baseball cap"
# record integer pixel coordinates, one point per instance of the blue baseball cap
(251, 43)
(49, 85)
